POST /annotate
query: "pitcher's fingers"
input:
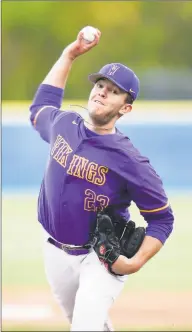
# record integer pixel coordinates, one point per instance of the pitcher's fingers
(98, 36)
(80, 35)
(98, 32)
(96, 40)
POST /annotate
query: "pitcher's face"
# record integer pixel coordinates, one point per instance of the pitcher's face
(106, 101)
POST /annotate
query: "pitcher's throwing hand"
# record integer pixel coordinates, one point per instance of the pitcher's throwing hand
(80, 45)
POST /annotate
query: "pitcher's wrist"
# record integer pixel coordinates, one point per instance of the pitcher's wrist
(69, 54)
(124, 265)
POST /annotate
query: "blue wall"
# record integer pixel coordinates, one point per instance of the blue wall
(169, 148)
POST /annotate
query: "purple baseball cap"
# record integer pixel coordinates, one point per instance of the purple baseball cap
(120, 75)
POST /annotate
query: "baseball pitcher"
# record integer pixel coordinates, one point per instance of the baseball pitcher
(93, 174)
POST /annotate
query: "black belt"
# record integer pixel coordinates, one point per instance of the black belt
(78, 250)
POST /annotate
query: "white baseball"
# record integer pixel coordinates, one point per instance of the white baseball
(89, 34)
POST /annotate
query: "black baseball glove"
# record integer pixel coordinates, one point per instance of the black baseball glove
(114, 236)
(105, 242)
(131, 239)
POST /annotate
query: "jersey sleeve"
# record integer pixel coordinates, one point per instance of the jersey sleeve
(45, 109)
(148, 194)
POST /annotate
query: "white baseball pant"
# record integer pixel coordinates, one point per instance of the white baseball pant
(83, 287)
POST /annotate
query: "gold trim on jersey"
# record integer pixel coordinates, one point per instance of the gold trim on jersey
(39, 111)
(155, 210)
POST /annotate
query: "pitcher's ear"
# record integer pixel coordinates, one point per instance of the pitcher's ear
(125, 109)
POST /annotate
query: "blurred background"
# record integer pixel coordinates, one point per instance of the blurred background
(152, 38)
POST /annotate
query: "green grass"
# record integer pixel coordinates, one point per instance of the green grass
(22, 261)
(21, 247)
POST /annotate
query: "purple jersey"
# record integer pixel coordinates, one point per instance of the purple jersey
(87, 171)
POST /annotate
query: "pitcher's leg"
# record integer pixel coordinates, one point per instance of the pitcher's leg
(96, 293)
(62, 272)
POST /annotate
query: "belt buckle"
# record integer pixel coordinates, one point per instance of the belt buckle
(64, 248)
